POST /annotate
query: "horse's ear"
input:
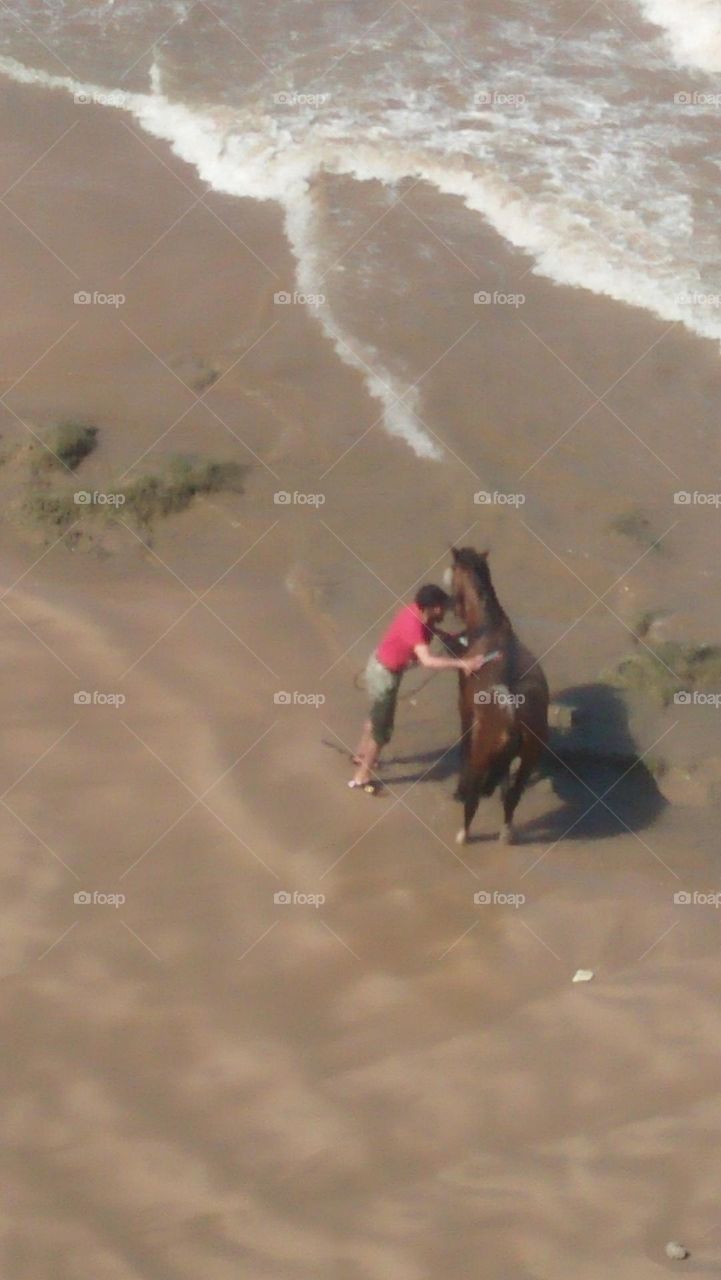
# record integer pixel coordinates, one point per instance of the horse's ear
(454, 553)
(484, 554)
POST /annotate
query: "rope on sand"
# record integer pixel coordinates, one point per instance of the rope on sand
(413, 693)
(359, 683)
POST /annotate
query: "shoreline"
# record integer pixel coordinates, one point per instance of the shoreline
(197, 141)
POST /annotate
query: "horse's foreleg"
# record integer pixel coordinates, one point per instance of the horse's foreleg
(471, 800)
(465, 748)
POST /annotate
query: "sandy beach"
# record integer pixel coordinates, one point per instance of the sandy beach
(397, 1082)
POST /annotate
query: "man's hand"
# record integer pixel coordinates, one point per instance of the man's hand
(467, 665)
(470, 665)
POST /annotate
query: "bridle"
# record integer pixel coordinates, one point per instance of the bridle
(478, 632)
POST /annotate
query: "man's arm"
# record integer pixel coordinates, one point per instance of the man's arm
(428, 659)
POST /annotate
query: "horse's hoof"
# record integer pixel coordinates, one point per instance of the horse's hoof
(506, 835)
(461, 836)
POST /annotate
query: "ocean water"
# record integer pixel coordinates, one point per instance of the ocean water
(588, 138)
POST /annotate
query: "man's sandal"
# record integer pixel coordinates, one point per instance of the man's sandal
(370, 788)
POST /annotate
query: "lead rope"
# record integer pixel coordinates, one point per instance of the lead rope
(359, 682)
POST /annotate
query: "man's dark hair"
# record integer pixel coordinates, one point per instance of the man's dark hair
(430, 596)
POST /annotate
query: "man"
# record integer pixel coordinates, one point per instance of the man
(406, 642)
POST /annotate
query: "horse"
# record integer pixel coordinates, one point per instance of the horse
(504, 706)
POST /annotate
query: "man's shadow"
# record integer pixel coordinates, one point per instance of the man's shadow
(591, 761)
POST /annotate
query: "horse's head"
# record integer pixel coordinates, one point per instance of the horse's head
(469, 583)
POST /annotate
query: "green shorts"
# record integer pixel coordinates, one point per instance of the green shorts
(382, 686)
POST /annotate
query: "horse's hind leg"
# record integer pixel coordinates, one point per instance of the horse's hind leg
(506, 832)
(512, 791)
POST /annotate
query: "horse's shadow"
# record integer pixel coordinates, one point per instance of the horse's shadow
(605, 788)
(593, 767)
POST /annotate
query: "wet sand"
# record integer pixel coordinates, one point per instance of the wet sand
(398, 1083)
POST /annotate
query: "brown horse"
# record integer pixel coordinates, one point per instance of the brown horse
(504, 706)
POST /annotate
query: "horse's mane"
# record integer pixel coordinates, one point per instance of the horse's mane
(477, 564)
(471, 559)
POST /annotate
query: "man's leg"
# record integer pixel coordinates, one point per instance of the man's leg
(368, 764)
(365, 742)
(371, 676)
(380, 724)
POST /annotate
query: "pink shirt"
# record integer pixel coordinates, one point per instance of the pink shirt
(396, 649)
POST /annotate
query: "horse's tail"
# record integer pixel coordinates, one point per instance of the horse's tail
(498, 768)
(483, 783)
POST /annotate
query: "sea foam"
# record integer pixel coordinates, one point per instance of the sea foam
(250, 152)
(693, 30)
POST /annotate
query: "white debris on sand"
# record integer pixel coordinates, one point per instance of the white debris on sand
(676, 1251)
(583, 975)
